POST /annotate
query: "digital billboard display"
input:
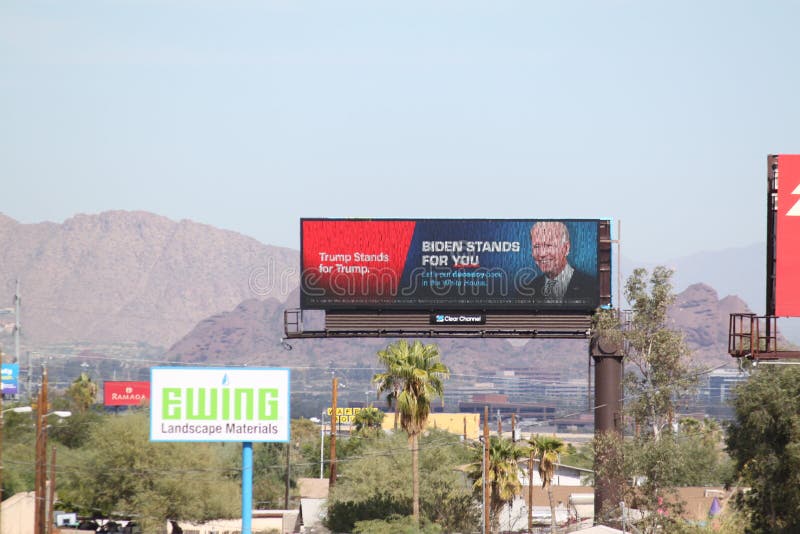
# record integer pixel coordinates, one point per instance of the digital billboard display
(10, 378)
(787, 256)
(450, 264)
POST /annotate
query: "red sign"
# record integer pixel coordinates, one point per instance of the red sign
(787, 256)
(126, 393)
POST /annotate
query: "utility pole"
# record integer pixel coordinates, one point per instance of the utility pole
(485, 469)
(530, 492)
(29, 389)
(17, 327)
(288, 467)
(41, 459)
(334, 420)
(51, 493)
(321, 444)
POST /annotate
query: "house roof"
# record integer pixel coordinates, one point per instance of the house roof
(697, 501)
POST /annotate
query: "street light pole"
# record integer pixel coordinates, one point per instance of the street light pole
(321, 444)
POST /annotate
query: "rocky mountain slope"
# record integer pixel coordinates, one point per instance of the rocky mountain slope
(139, 277)
(132, 276)
(251, 333)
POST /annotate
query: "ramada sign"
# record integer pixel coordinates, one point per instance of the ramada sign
(125, 393)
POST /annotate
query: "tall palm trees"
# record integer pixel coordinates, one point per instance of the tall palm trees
(547, 449)
(413, 378)
(502, 474)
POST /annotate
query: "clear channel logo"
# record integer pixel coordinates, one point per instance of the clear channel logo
(458, 318)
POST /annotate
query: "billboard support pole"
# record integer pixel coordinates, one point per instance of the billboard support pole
(334, 422)
(247, 487)
(608, 403)
(772, 216)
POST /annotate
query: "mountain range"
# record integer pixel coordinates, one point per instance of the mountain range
(133, 276)
(215, 296)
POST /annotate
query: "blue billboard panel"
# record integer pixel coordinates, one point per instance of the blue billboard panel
(10, 378)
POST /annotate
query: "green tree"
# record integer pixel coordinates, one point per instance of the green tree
(701, 446)
(375, 484)
(394, 525)
(82, 393)
(121, 472)
(548, 449)
(658, 355)
(659, 375)
(502, 474)
(269, 464)
(17, 452)
(764, 441)
(416, 372)
(369, 421)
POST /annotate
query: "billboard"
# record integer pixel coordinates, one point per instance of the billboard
(219, 404)
(450, 264)
(787, 256)
(120, 393)
(345, 415)
(10, 378)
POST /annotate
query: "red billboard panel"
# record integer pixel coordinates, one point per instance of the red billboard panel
(787, 256)
(450, 264)
(125, 393)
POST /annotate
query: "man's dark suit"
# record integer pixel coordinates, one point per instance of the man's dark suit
(582, 288)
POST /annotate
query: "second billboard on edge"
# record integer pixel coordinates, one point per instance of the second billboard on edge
(450, 264)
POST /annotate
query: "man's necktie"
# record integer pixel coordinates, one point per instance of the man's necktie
(549, 287)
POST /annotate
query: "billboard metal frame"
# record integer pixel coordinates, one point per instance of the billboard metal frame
(553, 324)
(512, 323)
(755, 336)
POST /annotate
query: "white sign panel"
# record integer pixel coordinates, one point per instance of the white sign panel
(219, 404)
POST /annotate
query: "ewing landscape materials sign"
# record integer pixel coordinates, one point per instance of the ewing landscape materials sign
(440, 265)
(219, 404)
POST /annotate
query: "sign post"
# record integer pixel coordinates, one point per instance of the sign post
(247, 487)
(219, 404)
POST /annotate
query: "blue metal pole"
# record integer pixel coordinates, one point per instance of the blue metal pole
(247, 487)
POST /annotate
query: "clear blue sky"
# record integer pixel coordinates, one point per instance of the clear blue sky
(248, 115)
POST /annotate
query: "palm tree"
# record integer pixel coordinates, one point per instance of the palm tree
(414, 374)
(502, 474)
(388, 382)
(368, 421)
(547, 449)
(82, 392)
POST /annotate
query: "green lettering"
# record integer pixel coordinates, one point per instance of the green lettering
(226, 404)
(240, 394)
(201, 409)
(268, 409)
(170, 403)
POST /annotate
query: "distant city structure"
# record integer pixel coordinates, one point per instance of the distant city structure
(717, 390)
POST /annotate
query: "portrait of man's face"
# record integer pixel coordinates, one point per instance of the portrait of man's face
(550, 245)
